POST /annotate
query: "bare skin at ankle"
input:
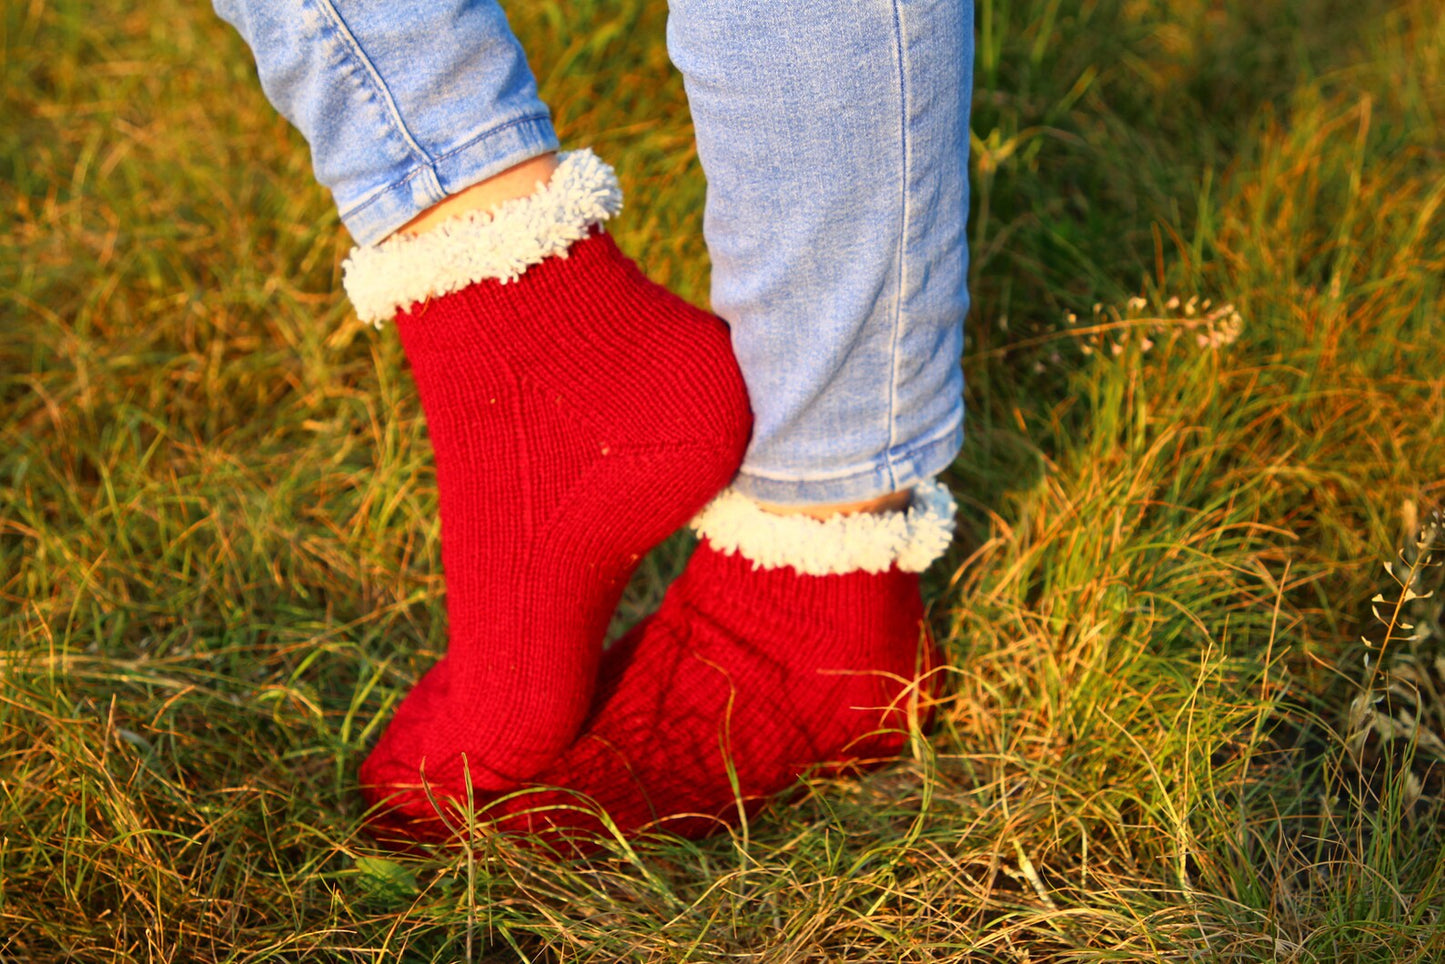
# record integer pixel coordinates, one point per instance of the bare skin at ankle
(892, 502)
(514, 182)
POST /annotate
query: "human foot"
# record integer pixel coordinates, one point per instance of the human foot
(558, 384)
(787, 643)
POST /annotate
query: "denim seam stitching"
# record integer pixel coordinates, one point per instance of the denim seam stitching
(424, 168)
(357, 51)
(377, 196)
(489, 132)
(904, 227)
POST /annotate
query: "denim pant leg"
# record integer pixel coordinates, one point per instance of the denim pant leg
(403, 103)
(834, 137)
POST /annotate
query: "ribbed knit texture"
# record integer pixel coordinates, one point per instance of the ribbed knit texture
(579, 415)
(767, 670)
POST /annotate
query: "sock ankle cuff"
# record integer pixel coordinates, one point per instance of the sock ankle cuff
(502, 243)
(868, 542)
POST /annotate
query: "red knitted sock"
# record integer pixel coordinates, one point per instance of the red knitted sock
(750, 673)
(578, 414)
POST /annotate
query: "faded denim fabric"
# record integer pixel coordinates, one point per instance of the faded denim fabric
(834, 137)
(403, 104)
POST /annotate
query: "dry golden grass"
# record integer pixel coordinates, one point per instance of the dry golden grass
(218, 536)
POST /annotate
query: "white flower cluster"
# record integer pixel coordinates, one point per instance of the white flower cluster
(1112, 331)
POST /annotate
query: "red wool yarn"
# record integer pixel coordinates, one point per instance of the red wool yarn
(744, 679)
(579, 414)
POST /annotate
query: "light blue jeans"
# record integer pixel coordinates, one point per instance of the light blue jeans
(834, 138)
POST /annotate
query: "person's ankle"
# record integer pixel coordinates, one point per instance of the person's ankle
(515, 182)
(892, 502)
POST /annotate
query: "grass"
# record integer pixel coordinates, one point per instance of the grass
(219, 548)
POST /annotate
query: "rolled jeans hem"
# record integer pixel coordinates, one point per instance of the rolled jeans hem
(487, 155)
(894, 472)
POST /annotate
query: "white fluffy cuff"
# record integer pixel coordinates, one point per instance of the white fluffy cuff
(870, 542)
(502, 243)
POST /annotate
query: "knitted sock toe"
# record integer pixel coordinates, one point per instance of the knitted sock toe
(578, 414)
(787, 643)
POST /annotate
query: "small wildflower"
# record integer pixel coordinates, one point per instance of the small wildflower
(1189, 306)
(1086, 349)
(1136, 303)
(1229, 334)
(1172, 303)
(1116, 349)
(1146, 344)
(1399, 697)
(1072, 318)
